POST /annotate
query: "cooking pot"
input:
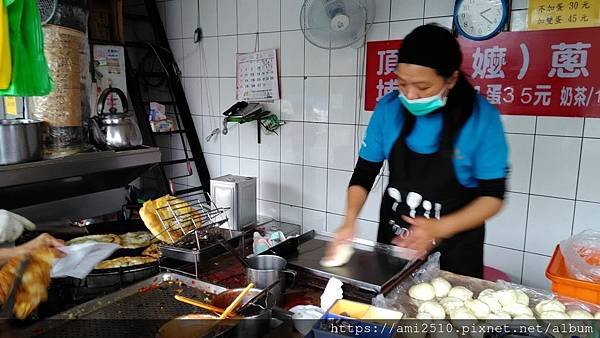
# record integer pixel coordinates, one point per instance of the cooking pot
(20, 141)
(115, 130)
(257, 317)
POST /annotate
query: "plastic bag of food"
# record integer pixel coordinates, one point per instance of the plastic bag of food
(582, 255)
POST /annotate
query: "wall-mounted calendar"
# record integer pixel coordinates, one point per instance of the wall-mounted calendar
(257, 76)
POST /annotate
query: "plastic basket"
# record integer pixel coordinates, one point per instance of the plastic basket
(565, 285)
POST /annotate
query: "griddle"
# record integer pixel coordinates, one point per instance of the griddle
(374, 270)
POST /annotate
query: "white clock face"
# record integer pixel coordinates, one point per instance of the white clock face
(480, 18)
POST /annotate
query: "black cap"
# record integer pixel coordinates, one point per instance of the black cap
(431, 46)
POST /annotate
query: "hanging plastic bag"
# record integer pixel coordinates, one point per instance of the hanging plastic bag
(582, 255)
(5, 61)
(30, 75)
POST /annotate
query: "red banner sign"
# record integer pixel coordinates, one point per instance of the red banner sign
(544, 73)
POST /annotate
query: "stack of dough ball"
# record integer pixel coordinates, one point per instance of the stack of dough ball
(433, 309)
(451, 303)
(553, 315)
(551, 309)
(462, 313)
(461, 292)
(486, 292)
(522, 297)
(441, 287)
(422, 291)
(506, 297)
(479, 308)
(579, 314)
(424, 315)
(517, 309)
(499, 315)
(491, 301)
(549, 305)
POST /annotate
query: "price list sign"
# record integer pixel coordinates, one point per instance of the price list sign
(553, 14)
(544, 73)
(257, 76)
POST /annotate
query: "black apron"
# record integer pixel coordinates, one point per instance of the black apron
(438, 192)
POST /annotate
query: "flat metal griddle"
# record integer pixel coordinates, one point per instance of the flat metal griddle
(136, 311)
(372, 270)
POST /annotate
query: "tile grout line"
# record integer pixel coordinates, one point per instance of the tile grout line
(528, 201)
(578, 178)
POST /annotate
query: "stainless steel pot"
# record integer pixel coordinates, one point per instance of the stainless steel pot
(257, 317)
(264, 270)
(20, 141)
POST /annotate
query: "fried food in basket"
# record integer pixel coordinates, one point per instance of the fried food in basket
(151, 210)
(34, 284)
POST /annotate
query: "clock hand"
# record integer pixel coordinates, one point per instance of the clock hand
(483, 16)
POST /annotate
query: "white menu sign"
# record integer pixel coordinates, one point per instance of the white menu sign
(257, 77)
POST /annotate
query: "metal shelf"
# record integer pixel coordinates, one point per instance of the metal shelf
(36, 182)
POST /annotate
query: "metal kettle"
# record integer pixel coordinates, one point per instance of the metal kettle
(115, 130)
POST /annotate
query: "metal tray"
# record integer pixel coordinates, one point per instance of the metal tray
(194, 255)
(136, 311)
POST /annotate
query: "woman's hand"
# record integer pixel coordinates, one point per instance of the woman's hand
(41, 241)
(345, 233)
(424, 235)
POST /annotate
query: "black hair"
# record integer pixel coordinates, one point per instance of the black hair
(435, 47)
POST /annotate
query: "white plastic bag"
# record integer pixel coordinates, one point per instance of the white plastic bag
(582, 255)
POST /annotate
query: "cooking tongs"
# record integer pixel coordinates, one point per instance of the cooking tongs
(7, 309)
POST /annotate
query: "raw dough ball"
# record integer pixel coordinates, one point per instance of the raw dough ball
(422, 291)
(516, 309)
(486, 292)
(597, 315)
(462, 313)
(524, 317)
(479, 308)
(441, 286)
(549, 305)
(435, 310)
(580, 314)
(342, 256)
(506, 297)
(451, 303)
(491, 302)
(424, 315)
(460, 292)
(554, 315)
(522, 297)
(499, 315)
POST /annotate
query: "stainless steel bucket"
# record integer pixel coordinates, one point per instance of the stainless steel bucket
(264, 270)
(20, 141)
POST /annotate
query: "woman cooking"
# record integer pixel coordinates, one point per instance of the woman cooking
(447, 158)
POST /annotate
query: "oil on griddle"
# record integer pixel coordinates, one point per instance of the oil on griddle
(139, 315)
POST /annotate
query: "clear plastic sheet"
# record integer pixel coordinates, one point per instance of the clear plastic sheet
(538, 295)
(398, 299)
(582, 255)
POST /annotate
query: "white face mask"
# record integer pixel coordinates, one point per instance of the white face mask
(425, 105)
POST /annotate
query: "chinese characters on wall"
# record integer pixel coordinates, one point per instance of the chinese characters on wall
(257, 76)
(552, 14)
(523, 73)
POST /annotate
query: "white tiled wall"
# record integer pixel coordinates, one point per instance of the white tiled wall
(303, 172)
